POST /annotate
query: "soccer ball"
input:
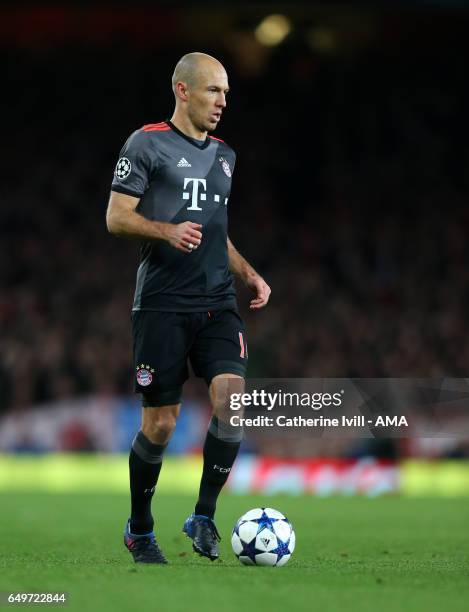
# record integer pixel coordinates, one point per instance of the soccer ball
(263, 536)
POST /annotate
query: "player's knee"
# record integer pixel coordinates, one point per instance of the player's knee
(165, 426)
(221, 390)
(159, 423)
(160, 427)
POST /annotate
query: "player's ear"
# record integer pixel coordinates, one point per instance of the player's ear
(181, 90)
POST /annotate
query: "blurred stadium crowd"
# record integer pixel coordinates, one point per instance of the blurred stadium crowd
(350, 197)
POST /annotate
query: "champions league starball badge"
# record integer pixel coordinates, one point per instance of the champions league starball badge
(123, 169)
(226, 166)
(145, 375)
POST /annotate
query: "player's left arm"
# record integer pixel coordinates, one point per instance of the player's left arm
(252, 280)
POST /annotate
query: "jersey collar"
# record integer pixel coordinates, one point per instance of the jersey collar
(197, 143)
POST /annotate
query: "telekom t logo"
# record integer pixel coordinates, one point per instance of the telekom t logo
(195, 192)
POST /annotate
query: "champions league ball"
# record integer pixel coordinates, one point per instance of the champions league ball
(263, 536)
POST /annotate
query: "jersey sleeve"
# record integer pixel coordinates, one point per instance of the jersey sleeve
(137, 162)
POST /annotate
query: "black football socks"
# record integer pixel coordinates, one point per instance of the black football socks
(144, 467)
(220, 449)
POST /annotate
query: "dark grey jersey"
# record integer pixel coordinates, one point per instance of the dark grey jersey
(180, 179)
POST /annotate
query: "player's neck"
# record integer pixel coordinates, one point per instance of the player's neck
(185, 125)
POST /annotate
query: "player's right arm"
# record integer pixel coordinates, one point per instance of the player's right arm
(122, 219)
(137, 164)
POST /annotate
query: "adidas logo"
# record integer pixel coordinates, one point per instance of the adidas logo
(183, 163)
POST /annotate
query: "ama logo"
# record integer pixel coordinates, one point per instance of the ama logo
(394, 421)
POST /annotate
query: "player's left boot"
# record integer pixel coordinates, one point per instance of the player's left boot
(204, 535)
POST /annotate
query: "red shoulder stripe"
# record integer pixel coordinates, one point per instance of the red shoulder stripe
(151, 127)
(157, 130)
(155, 124)
(219, 139)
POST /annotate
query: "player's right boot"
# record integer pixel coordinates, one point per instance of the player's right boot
(204, 535)
(144, 548)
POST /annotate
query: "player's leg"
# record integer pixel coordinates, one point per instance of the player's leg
(221, 443)
(220, 356)
(145, 460)
(161, 369)
(221, 447)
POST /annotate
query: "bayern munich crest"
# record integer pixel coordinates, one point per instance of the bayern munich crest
(144, 375)
(123, 169)
(226, 166)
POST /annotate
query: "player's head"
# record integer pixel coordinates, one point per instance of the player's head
(200, 85)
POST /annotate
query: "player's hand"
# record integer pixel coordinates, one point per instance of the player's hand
(184, 236)
(262, 290)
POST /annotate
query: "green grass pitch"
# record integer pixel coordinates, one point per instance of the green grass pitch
(352, 554)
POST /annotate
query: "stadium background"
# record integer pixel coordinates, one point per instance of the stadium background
(350, 197)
